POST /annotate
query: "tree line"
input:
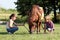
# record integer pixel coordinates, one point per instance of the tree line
(24, 6)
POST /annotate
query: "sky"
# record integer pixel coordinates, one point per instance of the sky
(8, 4)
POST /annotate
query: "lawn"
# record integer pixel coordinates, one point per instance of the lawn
(23, 34)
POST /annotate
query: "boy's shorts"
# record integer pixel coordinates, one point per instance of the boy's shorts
(48, 28)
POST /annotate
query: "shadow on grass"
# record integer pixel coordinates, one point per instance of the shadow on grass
(3, 33)
(23, 33)
(27, 33)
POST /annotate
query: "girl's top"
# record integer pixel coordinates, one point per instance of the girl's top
(9, 23)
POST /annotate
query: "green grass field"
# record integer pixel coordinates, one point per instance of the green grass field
(23, 34)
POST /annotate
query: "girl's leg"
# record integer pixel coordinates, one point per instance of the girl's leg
(12, 30)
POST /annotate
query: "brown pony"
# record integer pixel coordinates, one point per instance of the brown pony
(34, 19)
(41, 11)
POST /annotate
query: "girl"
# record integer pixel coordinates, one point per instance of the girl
(49, 25)
(11, 25)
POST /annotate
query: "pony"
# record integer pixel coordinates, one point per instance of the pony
(34, 19)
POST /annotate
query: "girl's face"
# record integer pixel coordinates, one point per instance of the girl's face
(14, 18)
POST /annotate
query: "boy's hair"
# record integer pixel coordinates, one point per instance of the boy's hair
(12, 15)
(47, 17)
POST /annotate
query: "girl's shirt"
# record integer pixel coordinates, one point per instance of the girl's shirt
(10, 23)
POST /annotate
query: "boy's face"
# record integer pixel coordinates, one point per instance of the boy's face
(47, 20)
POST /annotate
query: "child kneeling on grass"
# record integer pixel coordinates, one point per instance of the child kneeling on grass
(11, 25)
(49, 25)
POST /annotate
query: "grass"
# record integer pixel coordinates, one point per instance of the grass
(23, 34)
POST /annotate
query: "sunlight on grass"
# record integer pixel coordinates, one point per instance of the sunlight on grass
(23, 34)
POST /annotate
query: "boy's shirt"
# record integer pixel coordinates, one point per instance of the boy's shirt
(49, 24)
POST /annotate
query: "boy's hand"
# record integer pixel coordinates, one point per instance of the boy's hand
(53, 29)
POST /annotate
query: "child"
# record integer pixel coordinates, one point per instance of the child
(11, 25)
(49, 25)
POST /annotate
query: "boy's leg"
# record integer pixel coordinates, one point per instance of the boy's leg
(50, 30)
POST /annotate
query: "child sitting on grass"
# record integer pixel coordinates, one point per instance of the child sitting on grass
(11, 25)
(49, 25)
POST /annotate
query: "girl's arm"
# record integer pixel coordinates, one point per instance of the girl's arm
(15, 24)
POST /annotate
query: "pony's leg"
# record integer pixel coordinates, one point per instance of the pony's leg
(39, 26)
(31, 28)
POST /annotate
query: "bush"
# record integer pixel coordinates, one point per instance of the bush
(3, 19)
(58, 18)
(21, 19)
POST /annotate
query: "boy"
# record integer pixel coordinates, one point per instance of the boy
(49, 25)
(11, 25)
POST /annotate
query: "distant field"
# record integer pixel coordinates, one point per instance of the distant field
(23, 34)
(5, 16)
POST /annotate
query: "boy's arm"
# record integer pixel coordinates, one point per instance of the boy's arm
(53, 27)
(44, 28)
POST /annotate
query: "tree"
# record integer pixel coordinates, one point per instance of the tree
(51, 4)
(59, 5)
(24, 6)
(55, 5)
